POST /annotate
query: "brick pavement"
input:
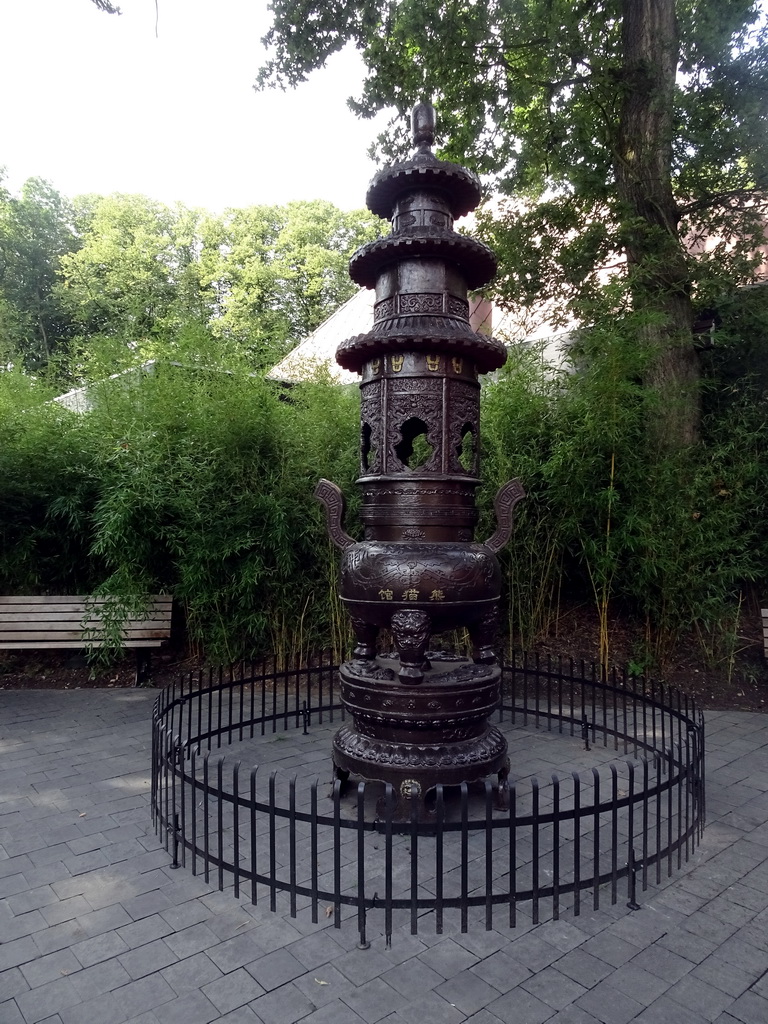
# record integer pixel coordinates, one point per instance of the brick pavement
(97, 928)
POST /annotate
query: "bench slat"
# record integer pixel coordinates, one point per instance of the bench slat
(41, 645)
(73, 634)
(52, 619)
(74, 599)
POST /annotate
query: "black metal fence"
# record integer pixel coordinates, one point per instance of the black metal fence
(606, 796)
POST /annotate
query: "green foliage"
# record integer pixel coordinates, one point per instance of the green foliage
(138, 272)
(36, 236)
(623, 130)
(671, 537)
(190, 479)
(276, 273)
(195, 477)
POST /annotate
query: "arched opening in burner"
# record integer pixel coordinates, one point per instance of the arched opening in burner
(367, 448)
(466, 449)
(415, 449)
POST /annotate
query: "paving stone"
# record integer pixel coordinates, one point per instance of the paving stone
(49, 968)
(333, 1013)
(697, 995)
(236, 952)
(192, 1008)
(66, 910)
(750, 1008)
(101, 947)
(709, 926)
(32, 899)
(185, 914)
(12, 983)
(631, 980)
(147, 993)
(743, 955)
(361, 965)
(554, 988)
(572, 1015)
(483, 942)
(692, 947)
(562, 935)
(724, 976)
(10, 1013)
(520, 1007)
(610, 1006)
(666, 1011)
(431, 1009)
(16, 952)
(689, 917)
(232, 990)
(144, 930)
(275, 969)
(147, 959)
(373, 1000)
(190, 940)
(192, 972)
(275, 933)
(104, 1009)
(642, 927)
(412, 978)
(242, 1015)
(324, 984)
(663, 963)
(534, 953)
(403, 947)
(501, 971)
(468, 992)
(282, 1006)
(42, 1002)
(103, 977)
(448, 958)
(583, 967)
(316, 949)
(24, 924)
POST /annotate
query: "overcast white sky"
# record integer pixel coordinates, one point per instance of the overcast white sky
(97, 103)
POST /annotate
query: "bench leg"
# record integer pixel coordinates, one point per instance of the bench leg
(143, 666)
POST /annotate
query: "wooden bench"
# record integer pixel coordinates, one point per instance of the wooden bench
(57, 623)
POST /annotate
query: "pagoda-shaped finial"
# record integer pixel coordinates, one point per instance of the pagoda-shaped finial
(423, 124)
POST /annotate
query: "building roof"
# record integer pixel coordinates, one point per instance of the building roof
(318, 350)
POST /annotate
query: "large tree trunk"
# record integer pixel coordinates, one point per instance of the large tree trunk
(656, 258)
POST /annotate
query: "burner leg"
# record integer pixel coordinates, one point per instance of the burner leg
(483, 633)
(343, 777)
(411, 629)
(365, 634)
(502, 793)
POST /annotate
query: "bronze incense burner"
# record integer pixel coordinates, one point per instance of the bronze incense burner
(418, 718)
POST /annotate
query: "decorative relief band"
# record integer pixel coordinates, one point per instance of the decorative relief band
(384, 308)
(415, 303)
(420, 304)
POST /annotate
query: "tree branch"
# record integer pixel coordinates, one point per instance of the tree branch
(106, 6)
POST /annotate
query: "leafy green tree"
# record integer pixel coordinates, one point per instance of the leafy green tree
(620, 126)
(36, 236)
(123, 280)
(276, 272)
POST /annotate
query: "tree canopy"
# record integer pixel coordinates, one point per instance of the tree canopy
(618, 126)
(139, 273)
